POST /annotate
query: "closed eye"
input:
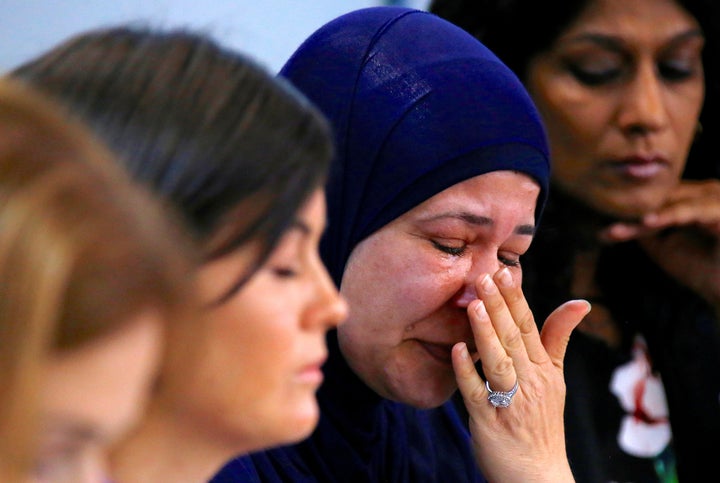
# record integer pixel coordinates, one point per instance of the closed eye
(594, 78)
(284, 272)
(509, 262)
(450, 250)
(675, 72)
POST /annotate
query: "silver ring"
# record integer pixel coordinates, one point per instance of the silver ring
(501, 399)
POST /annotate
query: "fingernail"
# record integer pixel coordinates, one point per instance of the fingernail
(486, 283)
(463, 351)
(589, 307)
(505, 278)
(481, 311)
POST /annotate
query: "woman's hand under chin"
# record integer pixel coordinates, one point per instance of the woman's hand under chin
(682, 237)
(526, 440)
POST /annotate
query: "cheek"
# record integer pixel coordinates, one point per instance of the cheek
(684, 112)
(574, 137)
(236, 356)
(575, 119)
(574, 125)
(386, 291)
(256, 327)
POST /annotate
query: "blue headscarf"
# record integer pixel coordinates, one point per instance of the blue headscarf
(417, 105)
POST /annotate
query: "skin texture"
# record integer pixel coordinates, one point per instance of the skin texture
(92, 396)
(414, 279)
(414, 287)
(621, 108)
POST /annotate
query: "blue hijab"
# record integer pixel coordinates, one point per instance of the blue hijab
(417, 105)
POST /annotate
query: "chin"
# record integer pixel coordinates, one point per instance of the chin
(302, 425)
(628, 208)
(287, 424)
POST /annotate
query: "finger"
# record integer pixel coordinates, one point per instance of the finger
(557, 328)
(691, 212)
(620, 232)
(469, 382)
(511, 355)
(496, 363)
(686, 189)
(699, 214)
(521, 314)
(689, 202)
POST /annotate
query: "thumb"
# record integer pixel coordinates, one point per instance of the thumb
(556, 330)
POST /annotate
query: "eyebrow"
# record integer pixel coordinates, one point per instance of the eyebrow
(75, 431)
(614, 43)
(473, 219)
(303, 227)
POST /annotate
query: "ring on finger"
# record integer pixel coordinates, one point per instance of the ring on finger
(501, 399)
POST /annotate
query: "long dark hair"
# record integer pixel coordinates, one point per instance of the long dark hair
(233, 149)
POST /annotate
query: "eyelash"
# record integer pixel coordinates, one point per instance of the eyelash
(666, 71)
(509, 263)
(284, 272)
(593, 78)
(458, 251)
(674, 74)
(455, 251)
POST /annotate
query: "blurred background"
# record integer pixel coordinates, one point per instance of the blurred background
(268, 30)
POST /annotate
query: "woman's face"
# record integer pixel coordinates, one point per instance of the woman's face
(92, 395)
(620, 93)
(249, 372)
(409, 284)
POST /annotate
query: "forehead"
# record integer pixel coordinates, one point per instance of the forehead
(313, 210)
(487, 194)
(635, 19)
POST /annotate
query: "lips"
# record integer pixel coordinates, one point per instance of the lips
(312, 373)
(640, 167)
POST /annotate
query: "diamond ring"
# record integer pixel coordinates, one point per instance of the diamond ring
(501, 399)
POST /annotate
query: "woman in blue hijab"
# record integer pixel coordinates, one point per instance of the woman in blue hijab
(439, 178)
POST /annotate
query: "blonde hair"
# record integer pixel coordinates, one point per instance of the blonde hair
(82, 249)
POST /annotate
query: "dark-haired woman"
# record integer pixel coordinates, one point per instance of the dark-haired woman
(242, 157)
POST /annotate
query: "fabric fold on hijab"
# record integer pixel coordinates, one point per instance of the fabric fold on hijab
(417, 105)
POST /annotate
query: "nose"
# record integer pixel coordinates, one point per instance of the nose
(329, 308)
(643, 109)
(481, 264)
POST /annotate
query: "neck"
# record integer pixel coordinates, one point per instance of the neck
(168, 447)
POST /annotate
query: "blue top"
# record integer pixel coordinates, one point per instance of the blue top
(417, 105)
